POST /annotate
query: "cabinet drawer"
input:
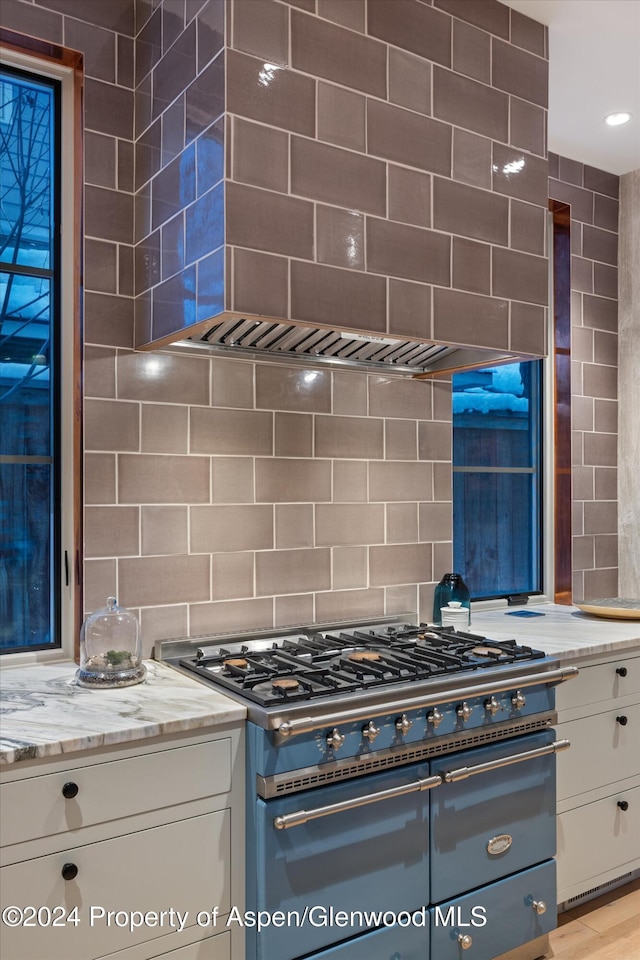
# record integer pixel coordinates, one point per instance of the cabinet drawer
(212, 948)
(598, 837)
(600, 682)
(603, 750)
(36, 807)
(182, 866)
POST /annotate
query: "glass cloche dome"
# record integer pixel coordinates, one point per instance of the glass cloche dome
(110, 648)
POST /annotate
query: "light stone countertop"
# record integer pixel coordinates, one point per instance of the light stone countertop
(44, 713)
(563, 631)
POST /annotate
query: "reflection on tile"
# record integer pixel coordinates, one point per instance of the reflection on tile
(520, 175)
(280, 98)
(210, 157)
(340, 237)
(205, 224)
(163, 377)
(292, 388)
(174, 304)
(211, 293)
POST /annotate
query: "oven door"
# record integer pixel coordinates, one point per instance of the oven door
(359, 846)
(494, 822)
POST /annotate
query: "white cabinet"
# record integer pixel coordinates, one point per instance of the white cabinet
(126, 852)
(599, 777)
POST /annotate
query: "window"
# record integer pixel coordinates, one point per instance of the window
(35, 594)
(497, 479)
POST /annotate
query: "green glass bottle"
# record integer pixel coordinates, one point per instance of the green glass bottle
(451, 587)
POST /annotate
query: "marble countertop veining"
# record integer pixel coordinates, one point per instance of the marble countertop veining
(43, 712)
(564, 632)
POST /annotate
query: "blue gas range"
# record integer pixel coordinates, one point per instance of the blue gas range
(401, 789)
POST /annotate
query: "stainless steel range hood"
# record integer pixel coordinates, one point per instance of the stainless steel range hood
(266, 339)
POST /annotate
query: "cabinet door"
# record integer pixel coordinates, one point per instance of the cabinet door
(598, 837)
(604, 750)
(182, 866)
(604, 681)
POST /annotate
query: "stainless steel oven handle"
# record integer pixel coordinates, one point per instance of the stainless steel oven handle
(288, 820)
(291, 728)
(452, 776)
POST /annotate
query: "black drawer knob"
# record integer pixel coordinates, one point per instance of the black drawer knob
(623, 721)
(69, 871)
(70, 790)
(621, 671)
(624, 805)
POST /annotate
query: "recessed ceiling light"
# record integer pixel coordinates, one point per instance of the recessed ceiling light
(615, 119)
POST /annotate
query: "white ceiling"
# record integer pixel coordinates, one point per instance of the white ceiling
(594, 70)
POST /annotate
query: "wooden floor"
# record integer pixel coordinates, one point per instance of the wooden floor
(604, 929)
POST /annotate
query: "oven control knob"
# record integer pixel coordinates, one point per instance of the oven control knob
(539, 906)
(403, 724)
(518, 700)
(465, 940)
(435, 717)
(492, 706)
(335, 739)
(464, 711)
(370, 732)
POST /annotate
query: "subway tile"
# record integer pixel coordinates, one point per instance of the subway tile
(150, 581)
(231, 432)
(606, 483)
(520, 175)
(408, 138)
(147, 263)
(519, 72)
(554, 165)
(210, 156)
(350, 483)
(175, 72)
(349, 567)
(230, 615)
(172, 140)
(164, 428)
(341, 116)
(204, 99)
(605, 280)
(582, 483)
(353, 437)
(442, 400)
(212, 297)
(402, 522)
(286, 101)
(292, 388)
(600, 381)
(174, 187)
(99, 478)
(99, 372)
(349, 604)
(172, 247)
(210, 26)
(600, 245)
(142, 213)
(205, 224)
(606, 550)
(98, 47)
(108, 109)
(471, 158)
(471, 265)
(600, 583)
(348, 13)
(409, 81)
(601, 182)
(571, 171)
(600, 312)
(100, 266)
(33, 21)
(411, 26)
(582, 419)
(162, 623)
(294, 525)
(111, 531)
(469, 318)
(268, 221)
(100, 582)
(600, 449)
(436, 521)
(292, 481)
(333, 175)
(401, 599)
(582, 275)
(528, 227)
(582, 549)
(398, 250)
(230, 528)
(400, 440)
(147, 478)
(292, 571)
(488, 15)
(581, 201)
(260, 284)
(293, 610)
(343, 524)
(163, 377)
(527, 33)
(173, 12)
(434, 440)
(605, 348)
(391, 482)
(232, 480)
(318, 292)
(164, 530)
(471, 51)
(262, 29)
(466, 103)
(442, 481)
(340, 237)
(401, 563)
(528, 126)
(108, 214)
(404, 399)
(409, 309)
(582, 344)
(605, 415)
(293, 435)
(461, 209)
(99, 160)
(111, 425)
(576, 237)
(231, 383)
(520, 276)
(600, 516)
(108, 320)
(349, 393)
(174, 304)
(323, 49)
(231, 576)
(409, 196)
(126, 271)
(260, 155)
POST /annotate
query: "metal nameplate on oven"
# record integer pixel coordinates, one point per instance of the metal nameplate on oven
(322, 774)
(500, 844)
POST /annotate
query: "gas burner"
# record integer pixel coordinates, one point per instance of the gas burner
(360, 656)
(482, 651)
